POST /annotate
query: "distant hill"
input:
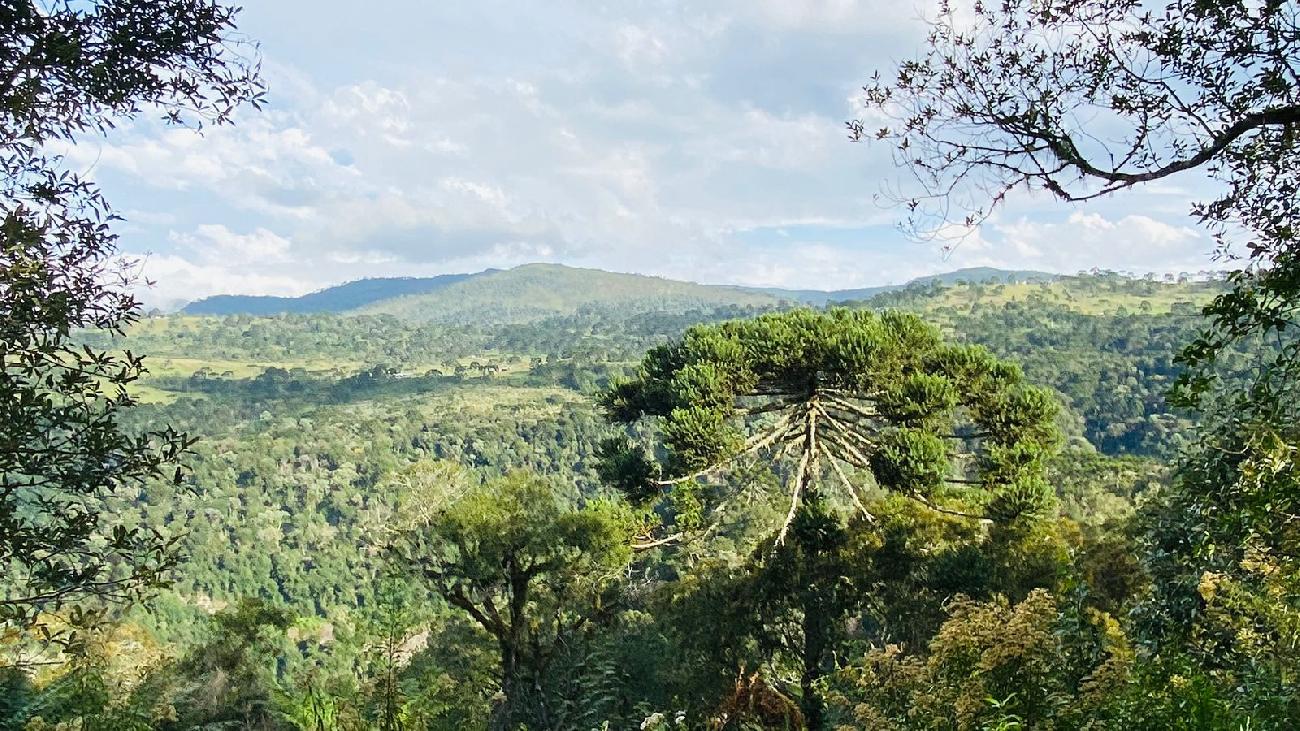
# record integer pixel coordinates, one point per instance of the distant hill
(1092, 294)
(342, 298)
(535, 291)
(974, 275)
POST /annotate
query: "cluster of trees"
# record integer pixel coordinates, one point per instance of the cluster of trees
(594, 333)
(332, 525)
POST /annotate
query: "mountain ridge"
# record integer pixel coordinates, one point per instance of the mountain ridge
(338, 298)
(980, 275)
(534, 291)
(530, 291)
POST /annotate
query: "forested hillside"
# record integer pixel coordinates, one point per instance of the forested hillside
(539, 290)
(342, 298)
(974, 275)
(310, 426)
(535, 291)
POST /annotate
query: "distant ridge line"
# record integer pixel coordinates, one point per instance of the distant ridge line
(531, 290)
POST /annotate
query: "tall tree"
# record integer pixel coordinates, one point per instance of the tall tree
(845, 392)
(864, 400)
(525, 560)
(229, 681)
(71, 70)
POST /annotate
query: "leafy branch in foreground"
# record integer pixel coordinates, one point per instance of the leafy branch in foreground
(1083, 99)
(67, 70)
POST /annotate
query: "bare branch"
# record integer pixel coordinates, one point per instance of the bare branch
(803, 471)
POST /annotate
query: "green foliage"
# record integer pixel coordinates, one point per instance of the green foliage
(121, 681)
(320, 434)
(71, 70)
(1221, 549)
(848, 390)
(992, 666)
(229, 678)
(882, 394)
(911, 461)
(525, 562)
(621, 465)
(536, 291)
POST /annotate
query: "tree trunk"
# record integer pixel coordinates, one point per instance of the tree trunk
(814, 645)
(817, 621)
(505, 713)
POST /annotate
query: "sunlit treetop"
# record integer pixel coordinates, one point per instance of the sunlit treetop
(867, 399)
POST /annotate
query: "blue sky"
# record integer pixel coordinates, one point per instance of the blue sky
(695, 141)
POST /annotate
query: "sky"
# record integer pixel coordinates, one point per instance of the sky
(703, 142)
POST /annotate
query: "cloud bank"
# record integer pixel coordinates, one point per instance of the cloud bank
(703, 142)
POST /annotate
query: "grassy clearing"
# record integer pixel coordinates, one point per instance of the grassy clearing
(162, 366)
(147, 394)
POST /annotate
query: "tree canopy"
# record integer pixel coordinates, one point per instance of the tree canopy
(525, 561)
(881, 396)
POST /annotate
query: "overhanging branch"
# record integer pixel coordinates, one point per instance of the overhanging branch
(1065, 149)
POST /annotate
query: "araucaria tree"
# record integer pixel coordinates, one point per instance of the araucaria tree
(843, 398)
(862, 399)
(69, 70)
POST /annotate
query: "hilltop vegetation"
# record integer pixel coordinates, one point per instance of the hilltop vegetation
(517, 295)
(541, 290)
(972, 275)
(1105, 342)
(534, 291)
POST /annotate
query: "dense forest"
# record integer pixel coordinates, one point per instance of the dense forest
(558, 498)
(318, 433)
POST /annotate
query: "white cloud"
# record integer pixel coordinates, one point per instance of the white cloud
(653, 139)
(169, 281)
(1077, 242)
(370, 109)
(1133, 242)
(214, 243)
(638, 46)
